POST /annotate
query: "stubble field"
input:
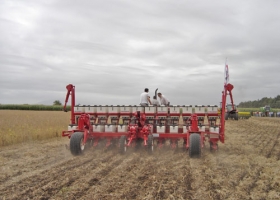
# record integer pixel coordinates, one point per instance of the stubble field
(245, 167)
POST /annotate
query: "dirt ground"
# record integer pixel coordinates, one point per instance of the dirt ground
(247, 166)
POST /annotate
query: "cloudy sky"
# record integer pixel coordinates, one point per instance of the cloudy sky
(112, 49)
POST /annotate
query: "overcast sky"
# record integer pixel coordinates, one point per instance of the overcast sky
(112, 50)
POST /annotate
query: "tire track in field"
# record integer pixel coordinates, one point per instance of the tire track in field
(255, 178)
(92, 179)
(106, 185)
(246, 184)
(41, 178)
(264, 146)
(220, 174)
(274, 144)
(239, 178)
(25, 160)
(131, 175)
(121, 175)
(135, 177)
(186, 184)
(275, 149)
(177, 183)
(268, 144)
(147, 175)
(260, 140)
(58, 176)
(75, 175)
(211, 181)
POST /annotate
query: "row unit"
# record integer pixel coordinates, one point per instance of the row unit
(123, 128)
(185, 109)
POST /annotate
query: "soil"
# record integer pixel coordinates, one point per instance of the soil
(245, 167)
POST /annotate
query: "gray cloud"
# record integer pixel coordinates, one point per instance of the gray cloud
(112, 50)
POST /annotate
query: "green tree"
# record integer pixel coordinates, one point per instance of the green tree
(57, 103)
(273, 102)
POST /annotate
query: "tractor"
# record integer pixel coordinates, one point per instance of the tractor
(231, 112)
(265, 110)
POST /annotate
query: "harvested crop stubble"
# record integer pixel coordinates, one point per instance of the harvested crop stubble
(245, 167)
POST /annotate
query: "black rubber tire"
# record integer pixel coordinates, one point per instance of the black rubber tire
(123, 142)
(195, 147)
(76, 147)
(226, 116)
(150, 144)
(236, 116)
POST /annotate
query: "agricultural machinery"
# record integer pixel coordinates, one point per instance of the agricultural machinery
(231, 112)
(147, 127)
(244, 115)
(265, 110)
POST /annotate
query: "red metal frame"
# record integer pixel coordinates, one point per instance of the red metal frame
(70, 91)
(140, 129)
(84, 124)
(227, 91)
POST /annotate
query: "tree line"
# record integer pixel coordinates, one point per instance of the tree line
(272, 102)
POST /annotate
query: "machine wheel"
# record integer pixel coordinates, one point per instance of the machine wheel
(226, 116)
(236, 116)
(150, 144)
(76, 143)
(123, 143)
(195, 147)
